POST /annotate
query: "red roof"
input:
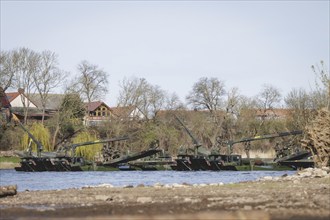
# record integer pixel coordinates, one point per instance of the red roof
(12, 95)
(123, 111)
(92, 106)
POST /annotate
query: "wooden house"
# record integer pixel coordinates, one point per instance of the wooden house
(97, 112)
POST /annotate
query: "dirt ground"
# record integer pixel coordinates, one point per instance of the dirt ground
(303, 197)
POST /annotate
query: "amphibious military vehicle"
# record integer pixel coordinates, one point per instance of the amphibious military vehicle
(200, 158)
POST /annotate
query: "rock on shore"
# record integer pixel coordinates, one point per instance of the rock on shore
(8, 191)
(305, 173)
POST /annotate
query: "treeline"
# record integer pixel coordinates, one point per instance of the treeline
(210, 110)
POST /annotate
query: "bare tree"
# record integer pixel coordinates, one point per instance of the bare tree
(173, 102)
(207, 94)
(322, 83)
(268, 98)
(246, 121)
(47, 77)
(157, 100)
(91, 82)
(150, 99)
(299, 101)
(233, 102)
(135, 92)
(303, 103)
(25, 67)
(7, 68)
(232, 105)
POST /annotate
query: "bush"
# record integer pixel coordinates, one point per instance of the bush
(40, 133)
(88, 151)
(10, 138)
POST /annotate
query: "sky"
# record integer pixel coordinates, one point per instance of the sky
(172, 44)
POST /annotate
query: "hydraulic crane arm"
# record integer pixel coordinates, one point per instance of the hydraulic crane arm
(188, 131)
(5, 109)
(268, 136)
(39, 145)
(74, 146)
(261, 137)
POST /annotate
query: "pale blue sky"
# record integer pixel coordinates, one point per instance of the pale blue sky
(174, 43)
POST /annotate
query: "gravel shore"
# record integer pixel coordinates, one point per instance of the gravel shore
(305, 195)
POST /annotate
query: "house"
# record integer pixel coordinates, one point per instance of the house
(97, 113)
(19, 100)
(127, 113)
(22, 104)
(53, 102)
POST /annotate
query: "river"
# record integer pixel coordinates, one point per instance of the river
(63, 180)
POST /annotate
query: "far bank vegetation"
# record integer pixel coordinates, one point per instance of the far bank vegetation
(210, 109)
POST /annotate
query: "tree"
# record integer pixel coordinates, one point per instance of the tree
(47, 77)
(247, 122)
(267, 100)
(233, 102)
(304, 103)
(173, 102)
(69, 117)
(132, 91)
(91, 82)
(87, 151)
(269, 97)
(26, 64)
(41, 133)
(135, 92)
(7, 69)
(150, 99)
(232, 105)
(157, 100)
(322, 83)
(207, 94)
(299, 101)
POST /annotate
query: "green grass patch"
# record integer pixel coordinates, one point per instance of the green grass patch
(10, 159)
(263, 168)
(98, 168)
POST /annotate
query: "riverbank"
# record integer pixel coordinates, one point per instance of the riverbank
(302, 196)
(8, 160)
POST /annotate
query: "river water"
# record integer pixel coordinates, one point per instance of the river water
(63, 180)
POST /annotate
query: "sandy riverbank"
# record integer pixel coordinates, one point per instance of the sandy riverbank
(8, 165)
(8, 160)
(303, 196)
